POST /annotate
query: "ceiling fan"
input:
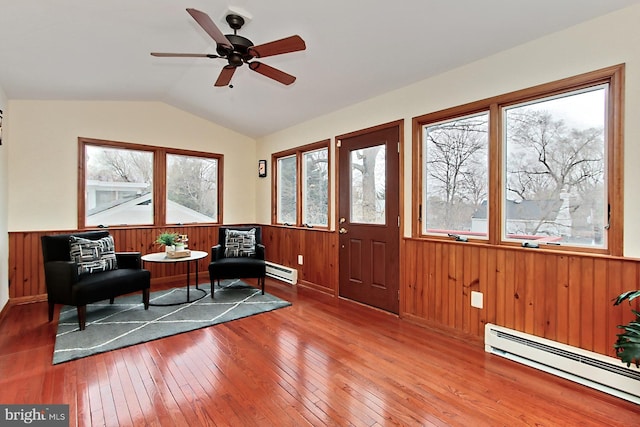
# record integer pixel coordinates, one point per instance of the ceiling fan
(238, 50)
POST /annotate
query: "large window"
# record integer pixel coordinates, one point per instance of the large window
(539, 167)
(127, 184)
(456, 161)
(287, 173)
(192, 189)
(118, 186)
(301, 186)
(315, 187)
(555, 182)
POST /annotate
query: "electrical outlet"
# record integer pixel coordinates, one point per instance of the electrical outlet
(300, 260)
(476, 299)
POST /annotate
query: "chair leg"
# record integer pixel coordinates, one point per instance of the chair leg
(82, 316)
(213, 287)
(145, 298)
(51, 308)
(111, 300)
(262, 280)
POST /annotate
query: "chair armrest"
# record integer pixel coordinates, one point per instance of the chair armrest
(216, 252)
(60, 276)
(260, 251)
(129, 260)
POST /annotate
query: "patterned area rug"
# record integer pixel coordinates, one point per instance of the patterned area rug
(126, 322)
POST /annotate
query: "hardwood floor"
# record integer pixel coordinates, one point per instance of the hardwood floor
(322, 361)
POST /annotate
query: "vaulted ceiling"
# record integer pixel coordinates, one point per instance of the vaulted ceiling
(100, 50)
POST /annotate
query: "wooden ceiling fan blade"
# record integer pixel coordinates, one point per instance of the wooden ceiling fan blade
(183, 55)
(277, 47)
(209, 27)
(272, 73)
(225, 75)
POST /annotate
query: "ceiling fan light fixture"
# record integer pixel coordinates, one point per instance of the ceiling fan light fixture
(235, 59)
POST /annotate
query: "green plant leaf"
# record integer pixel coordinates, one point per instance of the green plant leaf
(629, 295)
(167, 239)
(627, 345)
(629, 353)
(632, 327)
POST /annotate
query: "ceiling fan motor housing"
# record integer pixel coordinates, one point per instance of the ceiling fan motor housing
(240, 49)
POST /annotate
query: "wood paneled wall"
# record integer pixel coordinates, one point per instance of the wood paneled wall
(318, 248)
(283, 245)
(559, 296)
(564, 297)
(26, 272)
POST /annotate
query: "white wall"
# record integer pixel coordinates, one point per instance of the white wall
(606, 41)
(43, 153)
(4, 236)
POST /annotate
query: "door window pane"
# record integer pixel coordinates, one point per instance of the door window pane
(192, 189)
(368, 185)
(315, 189)
(287, 193)
(455, 181)
(555, 169)
(118, 186)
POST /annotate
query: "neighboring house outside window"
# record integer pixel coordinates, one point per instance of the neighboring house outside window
(121, 185)
(113, 203)
(301, 186)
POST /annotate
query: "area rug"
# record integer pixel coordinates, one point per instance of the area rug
(126, 322)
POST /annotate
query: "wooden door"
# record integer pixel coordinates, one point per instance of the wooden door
(368, 221)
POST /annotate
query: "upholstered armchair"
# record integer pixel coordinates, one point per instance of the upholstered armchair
(239, 254)
(83, 268)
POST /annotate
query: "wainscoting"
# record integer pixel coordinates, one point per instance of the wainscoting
(26, 273)
(318, 248)
(560, 296)
(283, 245)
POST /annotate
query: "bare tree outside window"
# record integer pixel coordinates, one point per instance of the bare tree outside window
(287, 190)
(456, 176)
(555, 169)
(118, 181)
(537, 165)
(192, 189)
(368, 192)
(315, 191)
(301, 186)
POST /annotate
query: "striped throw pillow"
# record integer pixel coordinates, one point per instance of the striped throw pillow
(240, 243)
(93, 256)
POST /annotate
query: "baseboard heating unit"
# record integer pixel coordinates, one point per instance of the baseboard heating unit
(280, 272)
(594, 370)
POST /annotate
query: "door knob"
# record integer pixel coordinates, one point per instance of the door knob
(342, 230)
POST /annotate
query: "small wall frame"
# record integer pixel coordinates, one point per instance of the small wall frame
(262, 168)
